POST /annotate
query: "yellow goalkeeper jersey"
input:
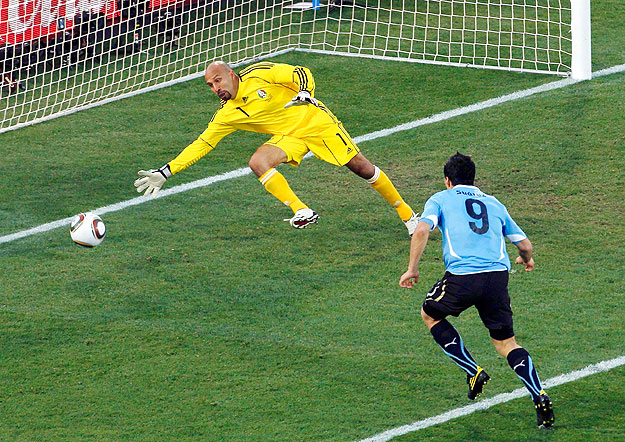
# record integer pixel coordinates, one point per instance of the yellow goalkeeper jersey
(264, 89)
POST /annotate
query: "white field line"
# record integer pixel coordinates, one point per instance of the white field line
(360, 139)
(495, 400)
(129, 203)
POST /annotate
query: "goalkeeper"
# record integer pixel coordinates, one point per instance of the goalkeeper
(278, 99)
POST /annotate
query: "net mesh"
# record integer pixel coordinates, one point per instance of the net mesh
(525, 35)
(57, 56)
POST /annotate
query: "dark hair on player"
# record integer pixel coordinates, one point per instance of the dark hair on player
(460, 169)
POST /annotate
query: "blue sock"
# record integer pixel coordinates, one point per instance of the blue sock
(522, 364)
(450, 341)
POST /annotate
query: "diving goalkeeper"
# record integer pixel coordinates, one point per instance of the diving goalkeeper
(278, 99)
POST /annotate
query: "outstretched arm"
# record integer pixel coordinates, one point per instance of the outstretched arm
(525, 254)
(417, 246)
(152, 180)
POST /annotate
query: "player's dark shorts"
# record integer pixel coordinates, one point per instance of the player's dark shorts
(488, 292)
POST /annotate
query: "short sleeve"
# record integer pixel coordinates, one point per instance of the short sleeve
(511, 229)
(431, 212)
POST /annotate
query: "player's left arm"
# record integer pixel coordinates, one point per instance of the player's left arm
(298, 77)
(513, 232)
(303, 78)
(525, 254)
(295, 77)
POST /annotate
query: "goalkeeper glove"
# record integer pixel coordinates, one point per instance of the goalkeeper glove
(302, 97)
(152, 180)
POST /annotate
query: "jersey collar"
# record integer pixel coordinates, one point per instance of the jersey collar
(466, 185)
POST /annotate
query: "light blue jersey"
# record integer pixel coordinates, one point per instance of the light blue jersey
(474, 227)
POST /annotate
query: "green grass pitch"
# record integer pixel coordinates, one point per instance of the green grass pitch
(203, 316)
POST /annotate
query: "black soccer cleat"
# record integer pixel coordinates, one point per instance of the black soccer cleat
(544, 411)
(477, 382)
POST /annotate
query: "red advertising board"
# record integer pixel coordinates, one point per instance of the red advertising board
(23, 20)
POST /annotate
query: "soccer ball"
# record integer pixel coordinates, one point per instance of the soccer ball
(87, 229)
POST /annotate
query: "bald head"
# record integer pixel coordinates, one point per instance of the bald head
(217, 66)
(222, 80)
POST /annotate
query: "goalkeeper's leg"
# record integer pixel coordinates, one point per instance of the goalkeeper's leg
(263, 164)
(362, 167)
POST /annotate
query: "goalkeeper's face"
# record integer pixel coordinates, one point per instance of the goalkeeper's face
(222, 80)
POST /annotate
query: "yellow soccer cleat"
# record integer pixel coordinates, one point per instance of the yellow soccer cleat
(477, 382)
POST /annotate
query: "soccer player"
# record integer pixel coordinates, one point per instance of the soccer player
(474, 226)
(278, 99)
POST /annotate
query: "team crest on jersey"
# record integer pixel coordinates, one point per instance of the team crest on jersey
(262, 94)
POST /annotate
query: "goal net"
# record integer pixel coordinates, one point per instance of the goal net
(60, 56)
(523, 35)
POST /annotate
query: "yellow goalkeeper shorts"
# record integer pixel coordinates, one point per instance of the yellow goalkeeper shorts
(333, 146)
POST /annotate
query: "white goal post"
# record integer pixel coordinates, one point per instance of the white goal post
(61, 56)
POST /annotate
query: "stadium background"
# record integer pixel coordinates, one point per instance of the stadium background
(203, 317)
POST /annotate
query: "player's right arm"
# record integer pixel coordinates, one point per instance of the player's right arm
(417, 246)
(429, 221)
(152, 180)
(200, 147)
